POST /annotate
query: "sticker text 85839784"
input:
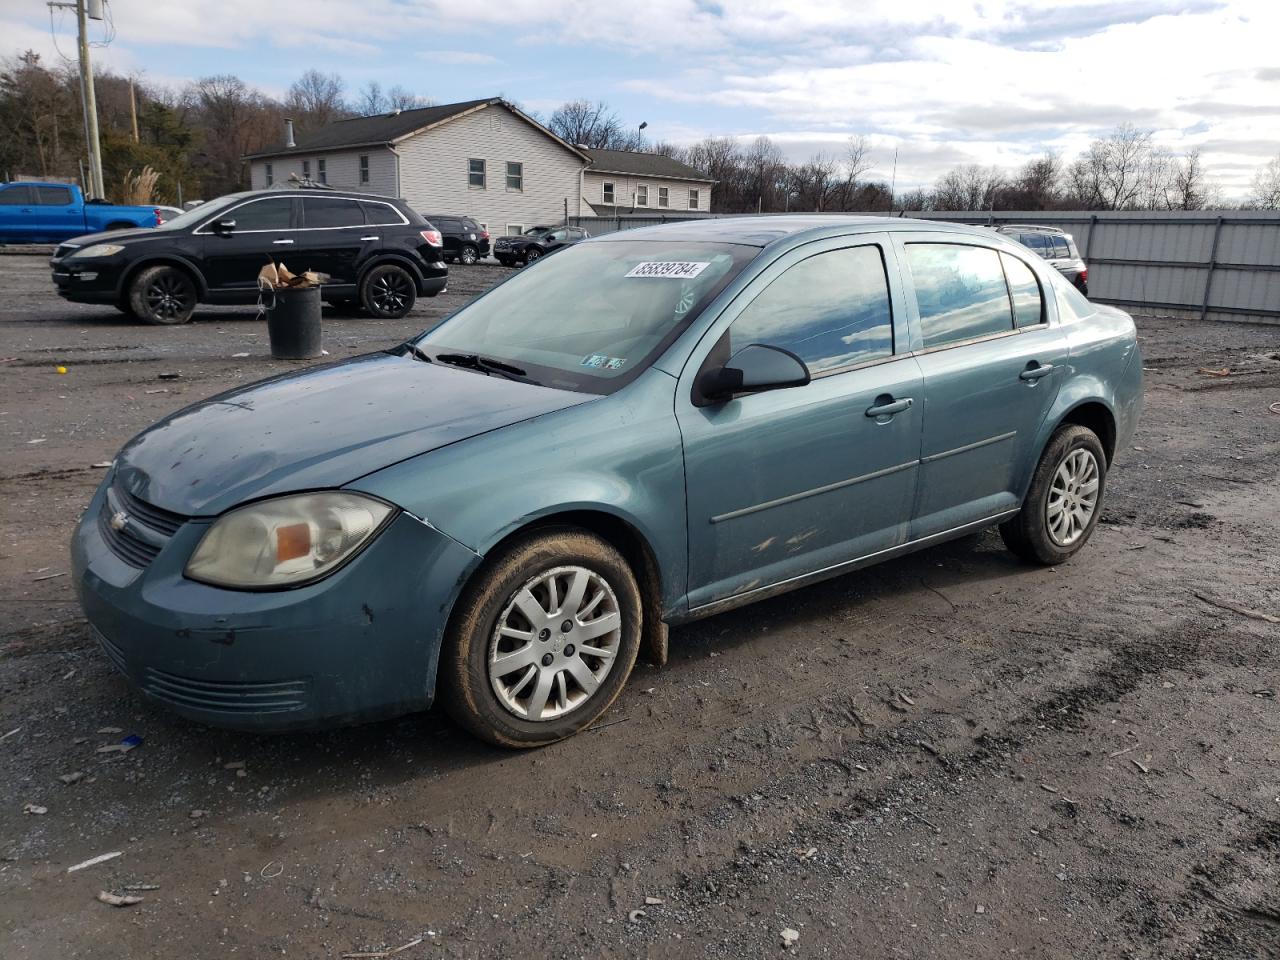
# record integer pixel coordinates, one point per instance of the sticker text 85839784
(668, 269)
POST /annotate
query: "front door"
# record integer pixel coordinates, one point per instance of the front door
(794, 481)
(333, 240)
(264, 231)
(992, 359)
(57, 215)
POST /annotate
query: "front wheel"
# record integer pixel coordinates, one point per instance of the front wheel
(532, 254)
(388, 292)
(1062, 506)
(542, 642)
(162, 295)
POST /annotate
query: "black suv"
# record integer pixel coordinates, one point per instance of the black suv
(534, 243)
(377, 252)
(465, 241)
(1054, 245)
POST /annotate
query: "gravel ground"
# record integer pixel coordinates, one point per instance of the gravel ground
(950, 754)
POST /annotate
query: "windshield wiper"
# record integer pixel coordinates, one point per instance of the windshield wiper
(483, 364)
(417, 351)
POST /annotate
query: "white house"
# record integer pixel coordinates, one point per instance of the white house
(483, 158)
(625, 181)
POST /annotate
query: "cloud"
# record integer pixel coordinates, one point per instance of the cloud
(457, 56)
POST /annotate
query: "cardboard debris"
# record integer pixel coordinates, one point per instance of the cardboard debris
(276, 276)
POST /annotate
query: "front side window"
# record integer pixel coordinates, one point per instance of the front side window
(642, 196)
(274, 213)
(320, 170)
(53, 196)
(364, 168)
(595, 314)
(960, 291)
(1037, 242)
(306, 169)
(608, 193)
(475, 173)
(693, 199)
(831, 310)
(271, 176)
(664, 197)
(319, 212)
(1024, 290)
(515, 176)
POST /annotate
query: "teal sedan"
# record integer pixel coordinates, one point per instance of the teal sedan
(652, 426)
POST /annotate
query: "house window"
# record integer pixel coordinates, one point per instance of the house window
(306, 169)
(693, 199)
(271, 177)
(515, 176)
(320, 170)
(515, 229)
(642, 195)
(475, 173)
(663, 197)
(608, 193)
(364, 168)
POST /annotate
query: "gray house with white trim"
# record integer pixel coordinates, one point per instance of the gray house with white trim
(482, 158)
(627, 181)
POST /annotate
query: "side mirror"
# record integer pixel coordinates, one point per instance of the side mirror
(224, 228)
(755, 368)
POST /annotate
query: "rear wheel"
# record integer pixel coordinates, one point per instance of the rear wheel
(532, 254)
(542, 642)
(162, 295)
(468, 254)
(388, 291)
(1064, 501)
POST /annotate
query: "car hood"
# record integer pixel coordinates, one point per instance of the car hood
(320, 428)
(112, 236)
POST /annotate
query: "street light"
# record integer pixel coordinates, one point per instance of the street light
(640, 133)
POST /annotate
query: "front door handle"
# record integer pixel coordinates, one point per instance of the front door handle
(1033, 373)
(370, 238)
(889, 407)
(281, 241)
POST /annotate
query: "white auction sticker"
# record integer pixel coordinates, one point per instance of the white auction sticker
(674, 269)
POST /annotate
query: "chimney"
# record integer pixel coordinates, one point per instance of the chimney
(288, 132)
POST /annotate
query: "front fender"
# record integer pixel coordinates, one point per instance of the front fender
(172, 259)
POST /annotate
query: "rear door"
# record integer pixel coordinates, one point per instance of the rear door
(333, 239)
(265, 231)
(992, 355)
(17, 213)
(451, 231)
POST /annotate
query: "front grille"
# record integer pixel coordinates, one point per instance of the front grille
(227, 696)
(113, 652)
(145, 531)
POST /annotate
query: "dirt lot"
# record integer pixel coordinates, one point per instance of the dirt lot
(947, 755)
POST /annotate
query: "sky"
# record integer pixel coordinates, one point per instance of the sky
(939, 82)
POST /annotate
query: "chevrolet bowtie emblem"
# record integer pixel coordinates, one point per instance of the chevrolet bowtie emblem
(119, 521)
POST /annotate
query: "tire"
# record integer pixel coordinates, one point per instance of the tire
(162, 295)
(498, 707)
(532, 254)
(1040, 534)
(468, 254)
(388, 291)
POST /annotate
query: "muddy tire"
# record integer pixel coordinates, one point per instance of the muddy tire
(388, 292)
(1064, 500)
(510, 673)
(162, 295)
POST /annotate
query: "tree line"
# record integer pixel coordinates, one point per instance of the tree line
(189, 144)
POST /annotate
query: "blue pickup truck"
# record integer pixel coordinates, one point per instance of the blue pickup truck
(53, 212)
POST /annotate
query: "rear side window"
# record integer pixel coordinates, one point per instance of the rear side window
(1060, 249)
(380, 214)
(960, 291)
(831, 310)
(15, 197)
(1024, 290)
(331, 212)
(53, 196)
(1036, 241)
(275, 213)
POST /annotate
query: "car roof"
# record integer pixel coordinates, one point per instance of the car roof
(761, 231)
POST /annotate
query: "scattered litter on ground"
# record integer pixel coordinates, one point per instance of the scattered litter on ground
(1224, 372)
(1243, 611)
(263, 872)
(237, 356)
(110, 730)
(124, 746)
(789, 937)
(1139, 764)
(74, 777)
(198, 814)
(141, 886)
(94, 861)
(105, 464)
(378, 954)
(653, 901)
(169, 376)
(116, 900)
(635, 916)
(233, 765)
(9, 734)
(1121, 753)
(41, 440)
(981, 908)
(161, 390)
(905, 699)
(48, 576)
(35, 809)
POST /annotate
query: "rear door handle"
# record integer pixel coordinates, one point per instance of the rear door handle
(370, 238)
(1036, 372)
(281, 241)
(890, 408)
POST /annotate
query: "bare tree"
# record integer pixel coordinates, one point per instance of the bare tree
(1188, 187)
(587, 124)
(315, 99)
(857, 161)
(1036, 186)
(813, 183)
(968, 187)
(1266, 186)
(763, 180)
(1117, 172)
(371, 100)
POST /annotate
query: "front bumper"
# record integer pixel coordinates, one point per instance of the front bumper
(87, 280)
(360, 644)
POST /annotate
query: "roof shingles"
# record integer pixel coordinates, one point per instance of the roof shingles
(638, 164)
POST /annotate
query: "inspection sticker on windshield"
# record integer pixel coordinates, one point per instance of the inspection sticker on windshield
(673, 269)
(600, 361)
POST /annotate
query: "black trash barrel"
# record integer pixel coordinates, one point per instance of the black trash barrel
(293, 323)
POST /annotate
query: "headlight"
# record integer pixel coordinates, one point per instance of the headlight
(286, 541)
(99, 250)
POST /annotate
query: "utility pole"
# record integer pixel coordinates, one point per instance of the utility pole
(87, 10)
(133, 109)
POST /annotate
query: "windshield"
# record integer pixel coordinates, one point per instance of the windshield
(197, 214)
(594, 315)
(536, 231)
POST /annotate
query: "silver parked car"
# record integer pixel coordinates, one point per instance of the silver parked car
(1056, 246)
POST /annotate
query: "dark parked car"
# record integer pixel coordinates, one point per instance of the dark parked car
(653, 426)
(1054, 245)
(536, 242)
(465, 241)
(378, 254)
